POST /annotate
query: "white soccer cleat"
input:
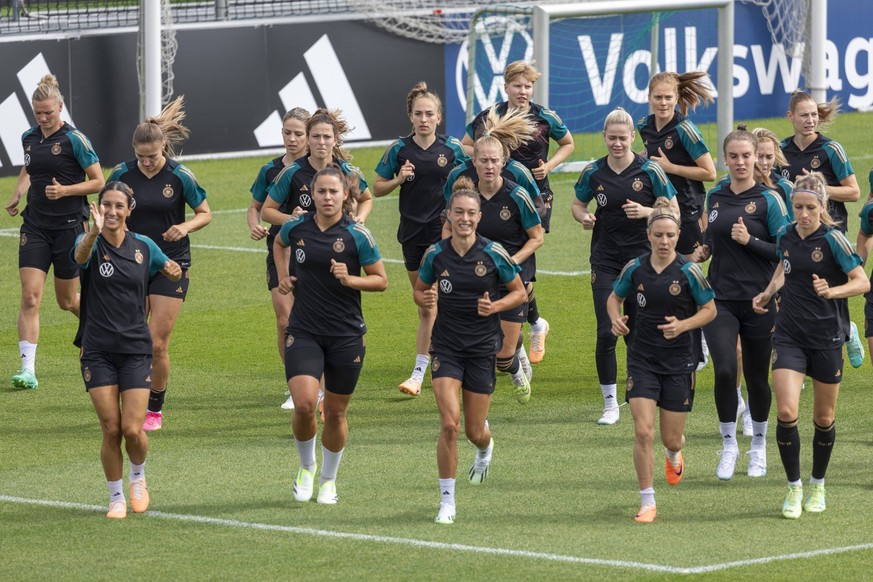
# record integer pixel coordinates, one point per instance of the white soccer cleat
(727, 464)
(481, 464)
(446, 515)
(327, 493)
(757, 462)
(610, 416)
(303, 485)
(524, 362)
(288, 404)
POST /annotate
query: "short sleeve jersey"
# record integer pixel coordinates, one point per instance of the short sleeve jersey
(266, 175)
(64, 156)
(866, 215)
(549, 126)
(616, 238)
(823, 155)
(160, 203)
(736, 272)
(323, 305)
(682, 143)
(804, 317)
(290, 187)
(676, 291)
(513, 171)
(461, 281)
(114, 288)
(781, 185)
(421, 197)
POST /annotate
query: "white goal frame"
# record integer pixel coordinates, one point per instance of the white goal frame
(544, 14)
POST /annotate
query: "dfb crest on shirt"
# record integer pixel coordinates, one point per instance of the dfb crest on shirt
(445, 286)
(167, 191)
(751, 207)
(480, 269)
(300, 255)
(817, 255)
(675, 288)
(601, 199)
(442, 161)
(505, 214)
(815, 163)
(305, 201)
(668, 143)
(56, 149)
(137, 256)
(106, 269)
(637, 185)
(786, 265)
(339, 246)
(641, 300)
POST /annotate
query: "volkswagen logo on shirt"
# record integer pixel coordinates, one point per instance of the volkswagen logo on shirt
(445, 286)
(601, 199)
(106, 269)
(641, 300)
(786, 264)
(305, 201)
(713, 215)
(300, 255)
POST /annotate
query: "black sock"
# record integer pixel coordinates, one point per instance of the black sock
(156, 400)
(510, 365)
(788, 440)
(822, 445)
(533, 314)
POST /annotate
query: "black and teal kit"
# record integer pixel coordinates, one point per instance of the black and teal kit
(867, 228)
(421, 195)
(822, 155)
(290, 187)
(781, 185)
(161, 202)
(513, 171)
(266, 175)
(678, 290)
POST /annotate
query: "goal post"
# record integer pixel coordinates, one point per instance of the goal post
(544, 14)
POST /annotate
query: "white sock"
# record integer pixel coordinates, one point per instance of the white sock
(330, 463)
(608, 391)
(306, 450)
(814, 481)
(539, 326)
(137, 472)
(116, 490)
(740, 393)
(647, 496)
(28, 356)
(517, 376)
(759, 435)
(798, 482)
(728, 434)
(673, 457)
(447, 492)
(421, 362)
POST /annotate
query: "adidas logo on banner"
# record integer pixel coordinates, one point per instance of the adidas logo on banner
(332, 84)
(15, 119)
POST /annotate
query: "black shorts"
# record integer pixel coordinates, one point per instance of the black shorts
(477, 373)
(673, 392)
(340, 359)
(42, 249)
(516, 314)
(825, 366)
(412, 255)
(868, 314)
(546, 218)
(272, 274)
(126, 371)
(160, 285)
(739, 315)
(690, 237)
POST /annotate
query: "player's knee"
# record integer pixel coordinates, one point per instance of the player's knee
(644, 435)
(112, 433)
(450, 429)
(30, 300)
(824, 421)
(68, 303)
(132, 431)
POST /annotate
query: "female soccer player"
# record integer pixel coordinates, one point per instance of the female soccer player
(60, 170)
(461, 276)
(864, 244)
(325, 131)
(519, 78)
(326, 330)
(509, 218)
(294, 137)
(626, 187)
(819, 269)
(673, 297)
(117, 266)
(674, 142)
(419, 164)
(164, 188)
(744, 218)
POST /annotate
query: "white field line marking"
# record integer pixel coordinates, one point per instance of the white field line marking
(447, 546)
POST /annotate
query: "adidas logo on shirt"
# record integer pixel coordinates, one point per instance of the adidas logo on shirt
(300, 243)
(444, 273)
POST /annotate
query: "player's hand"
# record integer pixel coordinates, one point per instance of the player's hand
(588, 221)
(821, 286)
(407, 172)
(484, 306)
(259, 232)
(661, 160)
(634, 210)
(298, 211)
(286, 285)
(172, 270)
(55, 190)
(673, 328)
(340, 271)
(96, 216)
(12, 205)
(700, 254)
(760, 302)
(430, 297)
(541, 171)
(740, 233)
(619, 326)
(175, 233)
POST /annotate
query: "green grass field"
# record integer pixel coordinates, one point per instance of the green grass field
(559, 498)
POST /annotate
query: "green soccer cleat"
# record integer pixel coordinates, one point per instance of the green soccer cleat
(855, 347)
(522, 387)
(815, 503)
(446, 515)
(791, 509)
(327, 493)
(25, 379)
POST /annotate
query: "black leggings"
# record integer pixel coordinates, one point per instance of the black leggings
(604, 351)
(736, 319)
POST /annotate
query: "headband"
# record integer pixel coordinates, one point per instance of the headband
(819, 195)
(668, 215)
